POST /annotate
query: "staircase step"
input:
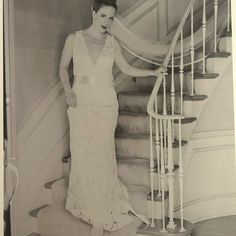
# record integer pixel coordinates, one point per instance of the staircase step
(186, 120)
(138, 146)
(137, 193)
(206, 76)
(35, 212)
(136, 101)
(219, 55)
(55, 220)
(194, 97)
(227, 34)
(156, 231)
(34, 234)
(130, 170)
(156, 196)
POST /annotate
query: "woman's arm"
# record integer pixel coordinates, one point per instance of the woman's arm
(130, 70)
(66, 57)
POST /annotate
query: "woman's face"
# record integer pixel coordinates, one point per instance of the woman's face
(103, 18)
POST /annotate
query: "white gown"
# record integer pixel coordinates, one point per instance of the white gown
(95, 194)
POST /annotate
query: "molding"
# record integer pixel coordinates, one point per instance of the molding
(206, 199)
(139, 12)
(213, 134)
(36, 106)
(210, 207)
(43, 106)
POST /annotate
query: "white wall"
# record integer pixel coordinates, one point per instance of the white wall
(218, 113)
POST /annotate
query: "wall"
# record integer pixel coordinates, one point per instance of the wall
(42, 139)
(40, 31)
(218, 113)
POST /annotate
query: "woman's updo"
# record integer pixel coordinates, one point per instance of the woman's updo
(97, 4)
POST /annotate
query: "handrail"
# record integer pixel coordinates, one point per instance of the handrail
(150, 108)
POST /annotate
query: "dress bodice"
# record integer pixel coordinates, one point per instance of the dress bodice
(85, 70)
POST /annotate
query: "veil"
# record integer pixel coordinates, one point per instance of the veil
(153, 51)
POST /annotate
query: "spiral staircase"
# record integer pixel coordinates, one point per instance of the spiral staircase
(152, 170)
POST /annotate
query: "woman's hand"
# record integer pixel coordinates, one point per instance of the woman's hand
(71, 99)
(159, 71)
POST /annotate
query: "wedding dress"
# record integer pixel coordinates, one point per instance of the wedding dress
(95, 194)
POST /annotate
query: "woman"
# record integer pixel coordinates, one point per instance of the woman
(95, 193)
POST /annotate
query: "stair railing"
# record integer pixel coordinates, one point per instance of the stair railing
(161, 157)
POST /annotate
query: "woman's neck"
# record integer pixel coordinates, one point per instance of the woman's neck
(95, 33)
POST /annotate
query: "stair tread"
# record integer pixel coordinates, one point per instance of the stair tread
(219, 55)
(56, 220)
(194, 97)
(48, 185)
(34, 234)
(35, 212)
(156, 197)
(132, 113)
(199, 75)
(148, 230)
(186, 120)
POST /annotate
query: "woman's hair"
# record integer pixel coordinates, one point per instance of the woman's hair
(97, 4)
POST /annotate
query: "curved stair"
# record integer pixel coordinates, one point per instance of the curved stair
(132, 147)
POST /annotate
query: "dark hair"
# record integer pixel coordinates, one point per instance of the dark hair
(97, 4)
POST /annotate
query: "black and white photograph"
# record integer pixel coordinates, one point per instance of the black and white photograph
(118, 118)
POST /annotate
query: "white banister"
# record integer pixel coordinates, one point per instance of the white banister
(172, 85)
(192, 53)
(164, 122)
(204, 37)
(228, 16)
(171, 223)
(152, 169)
(216, 3)
(162, 180)
(157, 143)
(181, 73)
(181, 176)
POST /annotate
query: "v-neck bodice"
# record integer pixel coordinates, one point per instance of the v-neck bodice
(99, 72)
(94, 62)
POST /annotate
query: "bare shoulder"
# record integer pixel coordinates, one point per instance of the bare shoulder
(70, 38)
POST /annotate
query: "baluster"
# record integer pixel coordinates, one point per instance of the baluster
(164, 122)
(171, 223)
(192, 53)
(172, 85)
(162, 179)
(228, 16)
(181, 176)
(181, 73)
(157, 142)
(152, 169)
(216, 3)
(204, 37)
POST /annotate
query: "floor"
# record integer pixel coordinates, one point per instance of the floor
(222, 226)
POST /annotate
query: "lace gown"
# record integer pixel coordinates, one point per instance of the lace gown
(95, 194)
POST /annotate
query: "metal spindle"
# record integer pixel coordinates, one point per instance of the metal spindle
(228, 16)
(171, 223)
(216, 3)
(181, 73)
(152, 169)
(162, 179)
(164, 122)
(181, 176)
(204, 37)
(172, 85)
(192, 53)
(157, 143)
